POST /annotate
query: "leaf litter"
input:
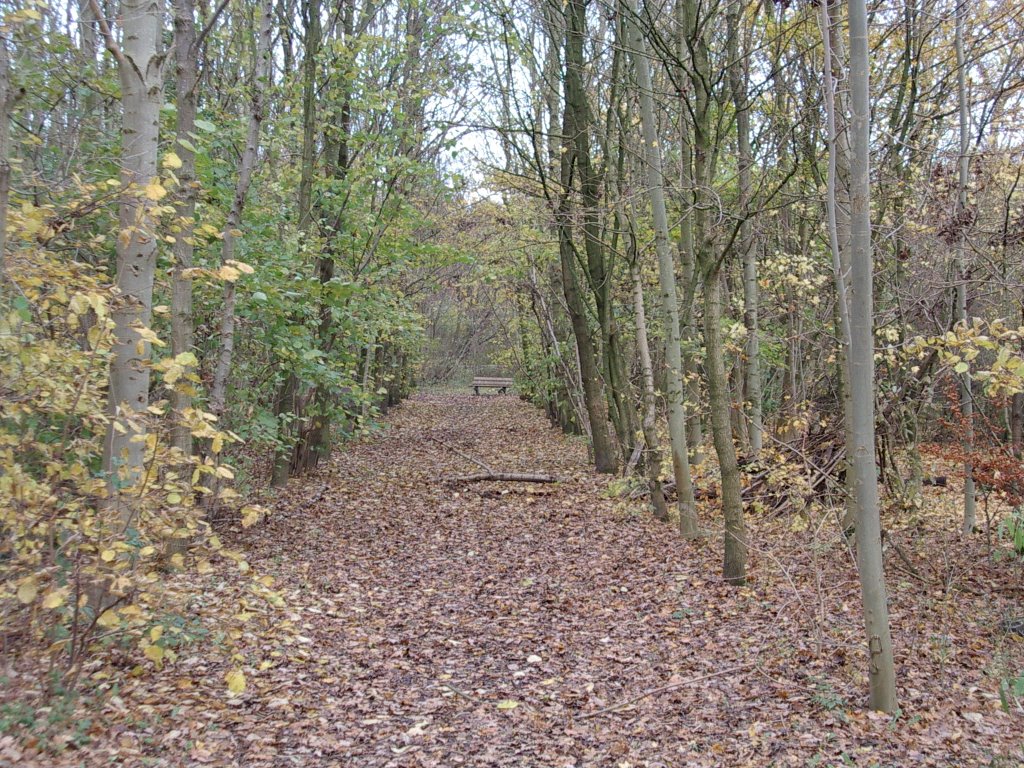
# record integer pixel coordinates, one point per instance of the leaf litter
(417, 622)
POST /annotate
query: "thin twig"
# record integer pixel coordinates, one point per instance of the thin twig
(455, 450)
(457, 692)
(663, 689)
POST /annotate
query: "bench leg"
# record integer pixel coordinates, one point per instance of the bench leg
(476, 391)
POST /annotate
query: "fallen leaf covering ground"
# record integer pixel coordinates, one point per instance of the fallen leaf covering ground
(426, 623)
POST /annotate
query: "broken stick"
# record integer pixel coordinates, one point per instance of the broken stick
(506, 477)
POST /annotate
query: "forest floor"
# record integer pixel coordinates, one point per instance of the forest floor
(426, 623)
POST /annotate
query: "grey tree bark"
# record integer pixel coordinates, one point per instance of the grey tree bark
(650, 411)
(963, 178)
(881, 668)
(738, 77)
(246, 166)
(140, 65)
(183, 249)
(674, 382)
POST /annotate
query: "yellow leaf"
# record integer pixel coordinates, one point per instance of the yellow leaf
(156, 633)
(228, 273)
(108, 555)
(173, 498)
(154, 191)
(217, 443)
(235, 680)
(508, 704)
(54, 599)
(172, 161)
(154, 653)
(28, 590)
(108, 619)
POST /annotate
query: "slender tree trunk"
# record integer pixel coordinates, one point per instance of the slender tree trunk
(738, 76)
(183, 249)
(574, 157)
(881, 669)
(284, 406)
(962, 274)
(650, 412)
(371, 349)
(287, 395)
(590, 375)
(709, 260)
(674, 384)
(838, 218)
(140, 64)
(687, 258)
(735, 567)
(232, 231)
(318, 439)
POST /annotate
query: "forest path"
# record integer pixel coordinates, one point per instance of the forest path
(484, 624)
(444, 604)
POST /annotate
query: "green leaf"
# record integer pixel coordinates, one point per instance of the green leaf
(206, 125)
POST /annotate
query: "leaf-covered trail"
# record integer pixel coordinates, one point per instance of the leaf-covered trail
(478, 625)
(426, 624)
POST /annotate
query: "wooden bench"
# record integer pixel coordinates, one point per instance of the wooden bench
(491, 382)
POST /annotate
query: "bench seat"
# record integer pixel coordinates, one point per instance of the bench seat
(503, 385)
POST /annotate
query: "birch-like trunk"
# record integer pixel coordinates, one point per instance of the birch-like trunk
(140, 62)
(738, 75)
(735, 566)
(881, 669)
(966, 395)
(838, 219)
(246, 166)
(183, 249)
(650, 411)
(674, 382)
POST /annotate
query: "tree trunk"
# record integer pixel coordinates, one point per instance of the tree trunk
(288, 394)
(573, 125)
(962, 274)
(881, 669)
(246, 166)
(738, 76)
(650, 411)
(284, 406)
(735, 567)
(183, 249)
(140, 67)
(674, 383)
(838, 218)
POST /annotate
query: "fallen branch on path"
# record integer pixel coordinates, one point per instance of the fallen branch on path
(663, 689)
(506, 477)
(455, 450)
